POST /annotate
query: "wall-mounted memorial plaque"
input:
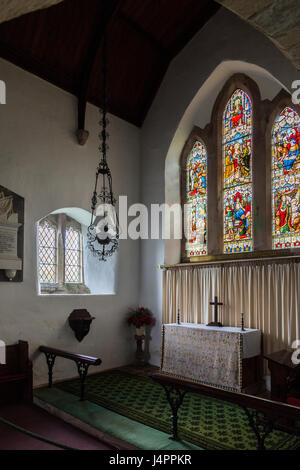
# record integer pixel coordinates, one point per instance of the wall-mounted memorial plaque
(11, 236)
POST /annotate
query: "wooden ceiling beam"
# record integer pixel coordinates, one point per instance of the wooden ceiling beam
(154, 43)
(111, 8)
(31, 64)
(208, 12)
(41, 43)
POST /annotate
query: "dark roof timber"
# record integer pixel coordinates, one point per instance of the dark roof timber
(63, 45)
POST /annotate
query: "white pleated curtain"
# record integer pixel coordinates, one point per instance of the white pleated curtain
(267, 294)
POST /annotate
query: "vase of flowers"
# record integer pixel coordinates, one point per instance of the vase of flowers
(140, 331)
(140, 317)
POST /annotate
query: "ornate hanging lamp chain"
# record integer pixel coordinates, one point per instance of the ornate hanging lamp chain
(100, 242)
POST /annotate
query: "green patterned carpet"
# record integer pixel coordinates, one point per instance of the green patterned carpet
(206, 422)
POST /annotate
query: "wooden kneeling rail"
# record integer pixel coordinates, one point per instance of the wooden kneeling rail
(83, 363)
(263, 415)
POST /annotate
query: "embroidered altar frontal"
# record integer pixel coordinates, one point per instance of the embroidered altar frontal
(209, 355)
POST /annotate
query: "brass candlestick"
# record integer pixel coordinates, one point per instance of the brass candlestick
(242, 322)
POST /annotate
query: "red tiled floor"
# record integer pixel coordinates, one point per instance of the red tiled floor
(38, 421)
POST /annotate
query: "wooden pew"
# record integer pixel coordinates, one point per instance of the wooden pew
(16, 375)
(263, 415)
(82, 362)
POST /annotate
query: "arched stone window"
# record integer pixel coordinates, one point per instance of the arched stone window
(65, 264)
(196, 201)
(194, 194)
(237, 173)
(286, 180)
(250, 205)
(60, 255)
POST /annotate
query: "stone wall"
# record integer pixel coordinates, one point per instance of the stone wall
(279, 20)
(10, 9)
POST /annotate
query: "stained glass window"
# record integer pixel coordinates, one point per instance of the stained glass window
(47, 253)
(237, 174)
(286, 180)
(196, 201)
(72, 256)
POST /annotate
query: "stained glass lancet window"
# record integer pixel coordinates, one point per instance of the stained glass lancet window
(237, 173)
(47, 253)
(196, 209)
(73, 256)
(286, 180)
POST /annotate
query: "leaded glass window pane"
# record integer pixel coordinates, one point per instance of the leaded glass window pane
(196, 201)
(47, 253)
(286, 180)
(72, 256)
(237, 174)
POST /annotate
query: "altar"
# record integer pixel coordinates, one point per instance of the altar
(224, 357)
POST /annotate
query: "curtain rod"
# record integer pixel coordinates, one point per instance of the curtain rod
(228, 261)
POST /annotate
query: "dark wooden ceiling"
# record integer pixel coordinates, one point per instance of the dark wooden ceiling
(63, 44)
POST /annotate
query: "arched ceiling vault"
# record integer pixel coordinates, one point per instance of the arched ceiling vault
(63, 44)
(279, 20)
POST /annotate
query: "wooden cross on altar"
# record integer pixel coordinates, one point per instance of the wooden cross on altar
(216, 322)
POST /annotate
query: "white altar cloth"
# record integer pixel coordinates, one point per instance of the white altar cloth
(208, 354)
(251, 338)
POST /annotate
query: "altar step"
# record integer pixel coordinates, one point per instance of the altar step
(119, 432)
(27, 418)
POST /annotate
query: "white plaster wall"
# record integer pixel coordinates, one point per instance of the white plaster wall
(41, 160)
(226, 45)
(100, 278)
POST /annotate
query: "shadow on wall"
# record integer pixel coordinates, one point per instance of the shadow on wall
(65, 264)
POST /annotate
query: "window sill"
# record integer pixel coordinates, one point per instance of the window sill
(66, 289)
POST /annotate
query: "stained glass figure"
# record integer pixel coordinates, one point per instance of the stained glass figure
(72, 256)
(196, 209)
(286, 180)
(47, 253)
(237, 173)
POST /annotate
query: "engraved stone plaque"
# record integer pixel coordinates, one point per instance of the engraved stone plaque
(11, 236)
(9, 247)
